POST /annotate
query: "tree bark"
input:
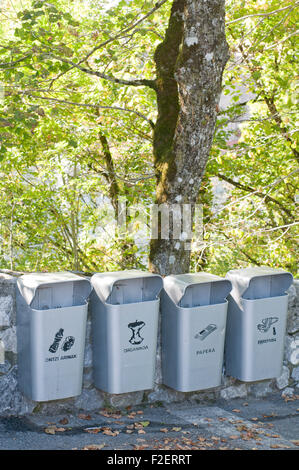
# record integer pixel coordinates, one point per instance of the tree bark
(189, 64)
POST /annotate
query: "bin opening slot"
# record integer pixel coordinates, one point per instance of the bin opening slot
(126, 291)
(59, 295)
(207, 293)
(268, 286)
(196, 295)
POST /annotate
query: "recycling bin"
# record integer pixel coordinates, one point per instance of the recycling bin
(51, 327)
(125, 309)
(194, 309)
(256, 323)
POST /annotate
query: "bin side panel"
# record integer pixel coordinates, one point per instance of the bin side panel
(170, 331)
(105, 346)
(255, 340)
(23, 345)
(99, 342)
(236, 339)
(57, 352)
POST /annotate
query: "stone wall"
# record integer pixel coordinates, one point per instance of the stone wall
(12, 402)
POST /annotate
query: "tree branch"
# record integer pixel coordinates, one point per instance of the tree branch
(257, 193)
(124, 31)
(140, 82)
(95, 106)
(149, 83)
(269, 13)
(8, 65)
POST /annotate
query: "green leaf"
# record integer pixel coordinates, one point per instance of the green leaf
(73, 143)
(145, 423)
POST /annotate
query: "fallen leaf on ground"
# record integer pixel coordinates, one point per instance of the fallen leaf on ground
(164, 430)
(64, 421)
(54, 429)
(50, 430)
(141, 431)
(93, 430)
(109, 432)
(94, 447)
(279, 446)
(83, 416)
(145, 423)
(176, 429)
(111, 414)
(235, 410)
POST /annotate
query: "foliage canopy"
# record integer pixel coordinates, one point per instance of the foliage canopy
(76, 120)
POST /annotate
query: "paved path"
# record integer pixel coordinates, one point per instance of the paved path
(265, 423)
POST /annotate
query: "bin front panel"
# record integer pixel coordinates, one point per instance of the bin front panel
(192, 359)
(125, 360)
(255, 338)
(57, 352)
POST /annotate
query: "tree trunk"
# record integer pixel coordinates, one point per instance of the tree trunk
(189, 64)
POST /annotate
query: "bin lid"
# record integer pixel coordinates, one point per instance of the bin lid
(104, 283)
(29, 283)
(177, 285)
(251, 281)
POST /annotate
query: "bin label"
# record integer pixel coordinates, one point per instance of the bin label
(264, 326)
(205, 351)
(202, 335)
(136, 339)
(66, 345)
